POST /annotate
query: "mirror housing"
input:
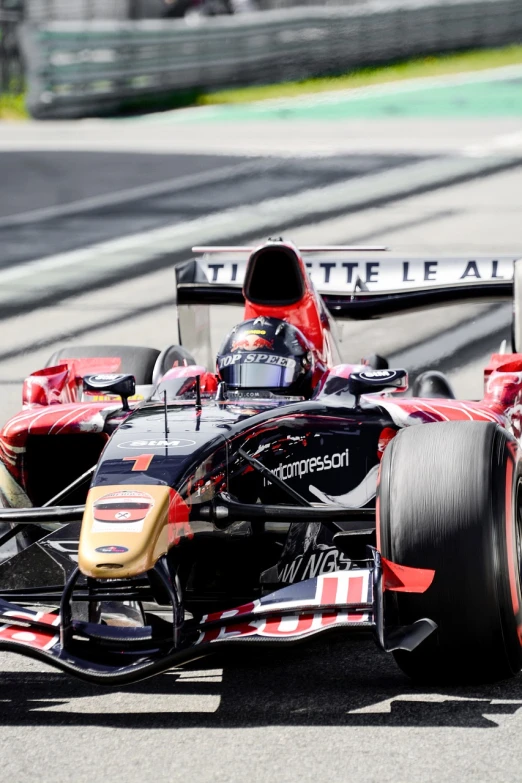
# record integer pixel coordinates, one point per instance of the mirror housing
(371, 381)
(112, 383)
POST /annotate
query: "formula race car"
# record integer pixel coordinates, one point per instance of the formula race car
(159, 506)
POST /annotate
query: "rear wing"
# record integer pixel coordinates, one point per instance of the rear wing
(354, 283)
(359, 286)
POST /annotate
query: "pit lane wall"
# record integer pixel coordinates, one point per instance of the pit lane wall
(77, 69)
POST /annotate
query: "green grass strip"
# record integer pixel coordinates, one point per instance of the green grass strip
(441, 65)
(12, 106)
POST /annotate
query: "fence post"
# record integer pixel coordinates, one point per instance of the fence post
(133, 11)
(3, 53)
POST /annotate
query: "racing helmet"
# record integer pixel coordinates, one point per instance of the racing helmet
(269, 355)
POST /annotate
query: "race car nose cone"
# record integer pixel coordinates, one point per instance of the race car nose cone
(124, 530)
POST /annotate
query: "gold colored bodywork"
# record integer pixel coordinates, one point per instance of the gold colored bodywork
(138, 522)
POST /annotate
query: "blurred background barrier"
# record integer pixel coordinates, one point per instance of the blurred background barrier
(11, 69)
(81, 67)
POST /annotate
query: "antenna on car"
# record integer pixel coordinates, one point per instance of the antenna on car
(166, 411)
(198, 392)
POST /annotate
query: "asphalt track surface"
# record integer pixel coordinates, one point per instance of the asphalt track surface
(335, 711)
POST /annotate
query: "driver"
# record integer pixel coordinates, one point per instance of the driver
(267, 355)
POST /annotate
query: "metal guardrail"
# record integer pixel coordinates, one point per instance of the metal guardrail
(11, 67)
(77, 69)
(43, 11)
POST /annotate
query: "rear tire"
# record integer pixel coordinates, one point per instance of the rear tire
(449, 499)
(173, 356)
(516, 324)
(135, 360)
(148, 365)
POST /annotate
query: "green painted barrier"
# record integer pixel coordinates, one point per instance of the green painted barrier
(77, 69)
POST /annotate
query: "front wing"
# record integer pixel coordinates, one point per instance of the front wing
(111, 655)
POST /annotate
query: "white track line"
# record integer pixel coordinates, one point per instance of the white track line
(130, 194)
(25, 282)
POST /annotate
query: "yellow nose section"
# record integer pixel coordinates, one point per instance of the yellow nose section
(126, 528)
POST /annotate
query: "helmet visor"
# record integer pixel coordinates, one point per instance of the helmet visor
(258, 371)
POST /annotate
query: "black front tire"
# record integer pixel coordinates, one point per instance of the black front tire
(449, 498)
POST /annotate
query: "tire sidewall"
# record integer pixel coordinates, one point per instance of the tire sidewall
(506, 546)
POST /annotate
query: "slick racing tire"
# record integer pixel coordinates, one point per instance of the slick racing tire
(135, 360)
(449, 500)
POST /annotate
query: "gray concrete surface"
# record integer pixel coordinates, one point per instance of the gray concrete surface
(334, 712)
(80, 198)
(183, 132)
(327, 713)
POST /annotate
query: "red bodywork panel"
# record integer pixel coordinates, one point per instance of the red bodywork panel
(208, 380)
(63, 383)
(404, 579)
(52, 405)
